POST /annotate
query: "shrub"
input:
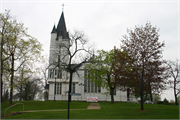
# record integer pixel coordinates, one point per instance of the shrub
(165, 102)
(160, 102)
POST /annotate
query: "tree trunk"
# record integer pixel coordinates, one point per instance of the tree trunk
(142, 92)
(46, 97)
(112, 95)
(1, 89)
(142, 100)
(175, 95)
(145, 96)
(1, 67)
(70, 84)
(20, 94)
(176, 100)
(142, 88)
(128, 94)
(12, 77)
(151, 98)
(69, 96)
(111, 88)
(22, 78)
(150, 92)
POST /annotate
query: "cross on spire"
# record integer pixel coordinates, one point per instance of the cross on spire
(63, 7)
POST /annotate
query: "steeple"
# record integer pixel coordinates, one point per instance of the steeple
(53, 30)
(61, 28)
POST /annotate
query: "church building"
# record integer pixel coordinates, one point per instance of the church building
(58, 79)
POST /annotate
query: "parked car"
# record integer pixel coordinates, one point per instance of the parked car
(148, 102)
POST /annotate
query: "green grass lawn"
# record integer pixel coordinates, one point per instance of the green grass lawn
(118, 110)
(41, 105)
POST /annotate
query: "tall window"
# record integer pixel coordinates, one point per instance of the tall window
(85, 85)
(55, 72)
(51, 73)
(90, 87)
(58, 88)
(73, 88)
(95, 88)
(59, 73)
(99, 89)
(128, 93)
(55, 88)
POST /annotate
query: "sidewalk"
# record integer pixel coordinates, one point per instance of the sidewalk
(94, 106)
(50, 110)
(91, 106)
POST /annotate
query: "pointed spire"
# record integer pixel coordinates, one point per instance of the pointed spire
(61, 28)
(54, 29)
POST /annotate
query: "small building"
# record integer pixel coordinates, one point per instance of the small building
(86, 88)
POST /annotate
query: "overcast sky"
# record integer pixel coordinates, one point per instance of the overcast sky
(104, 22)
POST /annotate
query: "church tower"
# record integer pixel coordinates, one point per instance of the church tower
(59, 38)
(58, 55)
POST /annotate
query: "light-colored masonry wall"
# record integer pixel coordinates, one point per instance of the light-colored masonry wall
(55, 50)
(77, 79)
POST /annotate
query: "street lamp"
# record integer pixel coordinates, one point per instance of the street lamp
(81, 90)
(55, 87)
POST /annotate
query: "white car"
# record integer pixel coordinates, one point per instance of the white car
(148, 102)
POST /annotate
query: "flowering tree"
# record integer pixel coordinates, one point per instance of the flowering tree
(17, 48)
(143, 68)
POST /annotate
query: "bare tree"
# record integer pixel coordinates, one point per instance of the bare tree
(78, 48)
(44, 71)
(174, 71)
(75, 52)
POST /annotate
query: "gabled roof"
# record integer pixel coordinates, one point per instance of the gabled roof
(61, 28)
(75, 65)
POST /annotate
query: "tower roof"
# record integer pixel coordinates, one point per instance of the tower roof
(54, 29)
(61, 28)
